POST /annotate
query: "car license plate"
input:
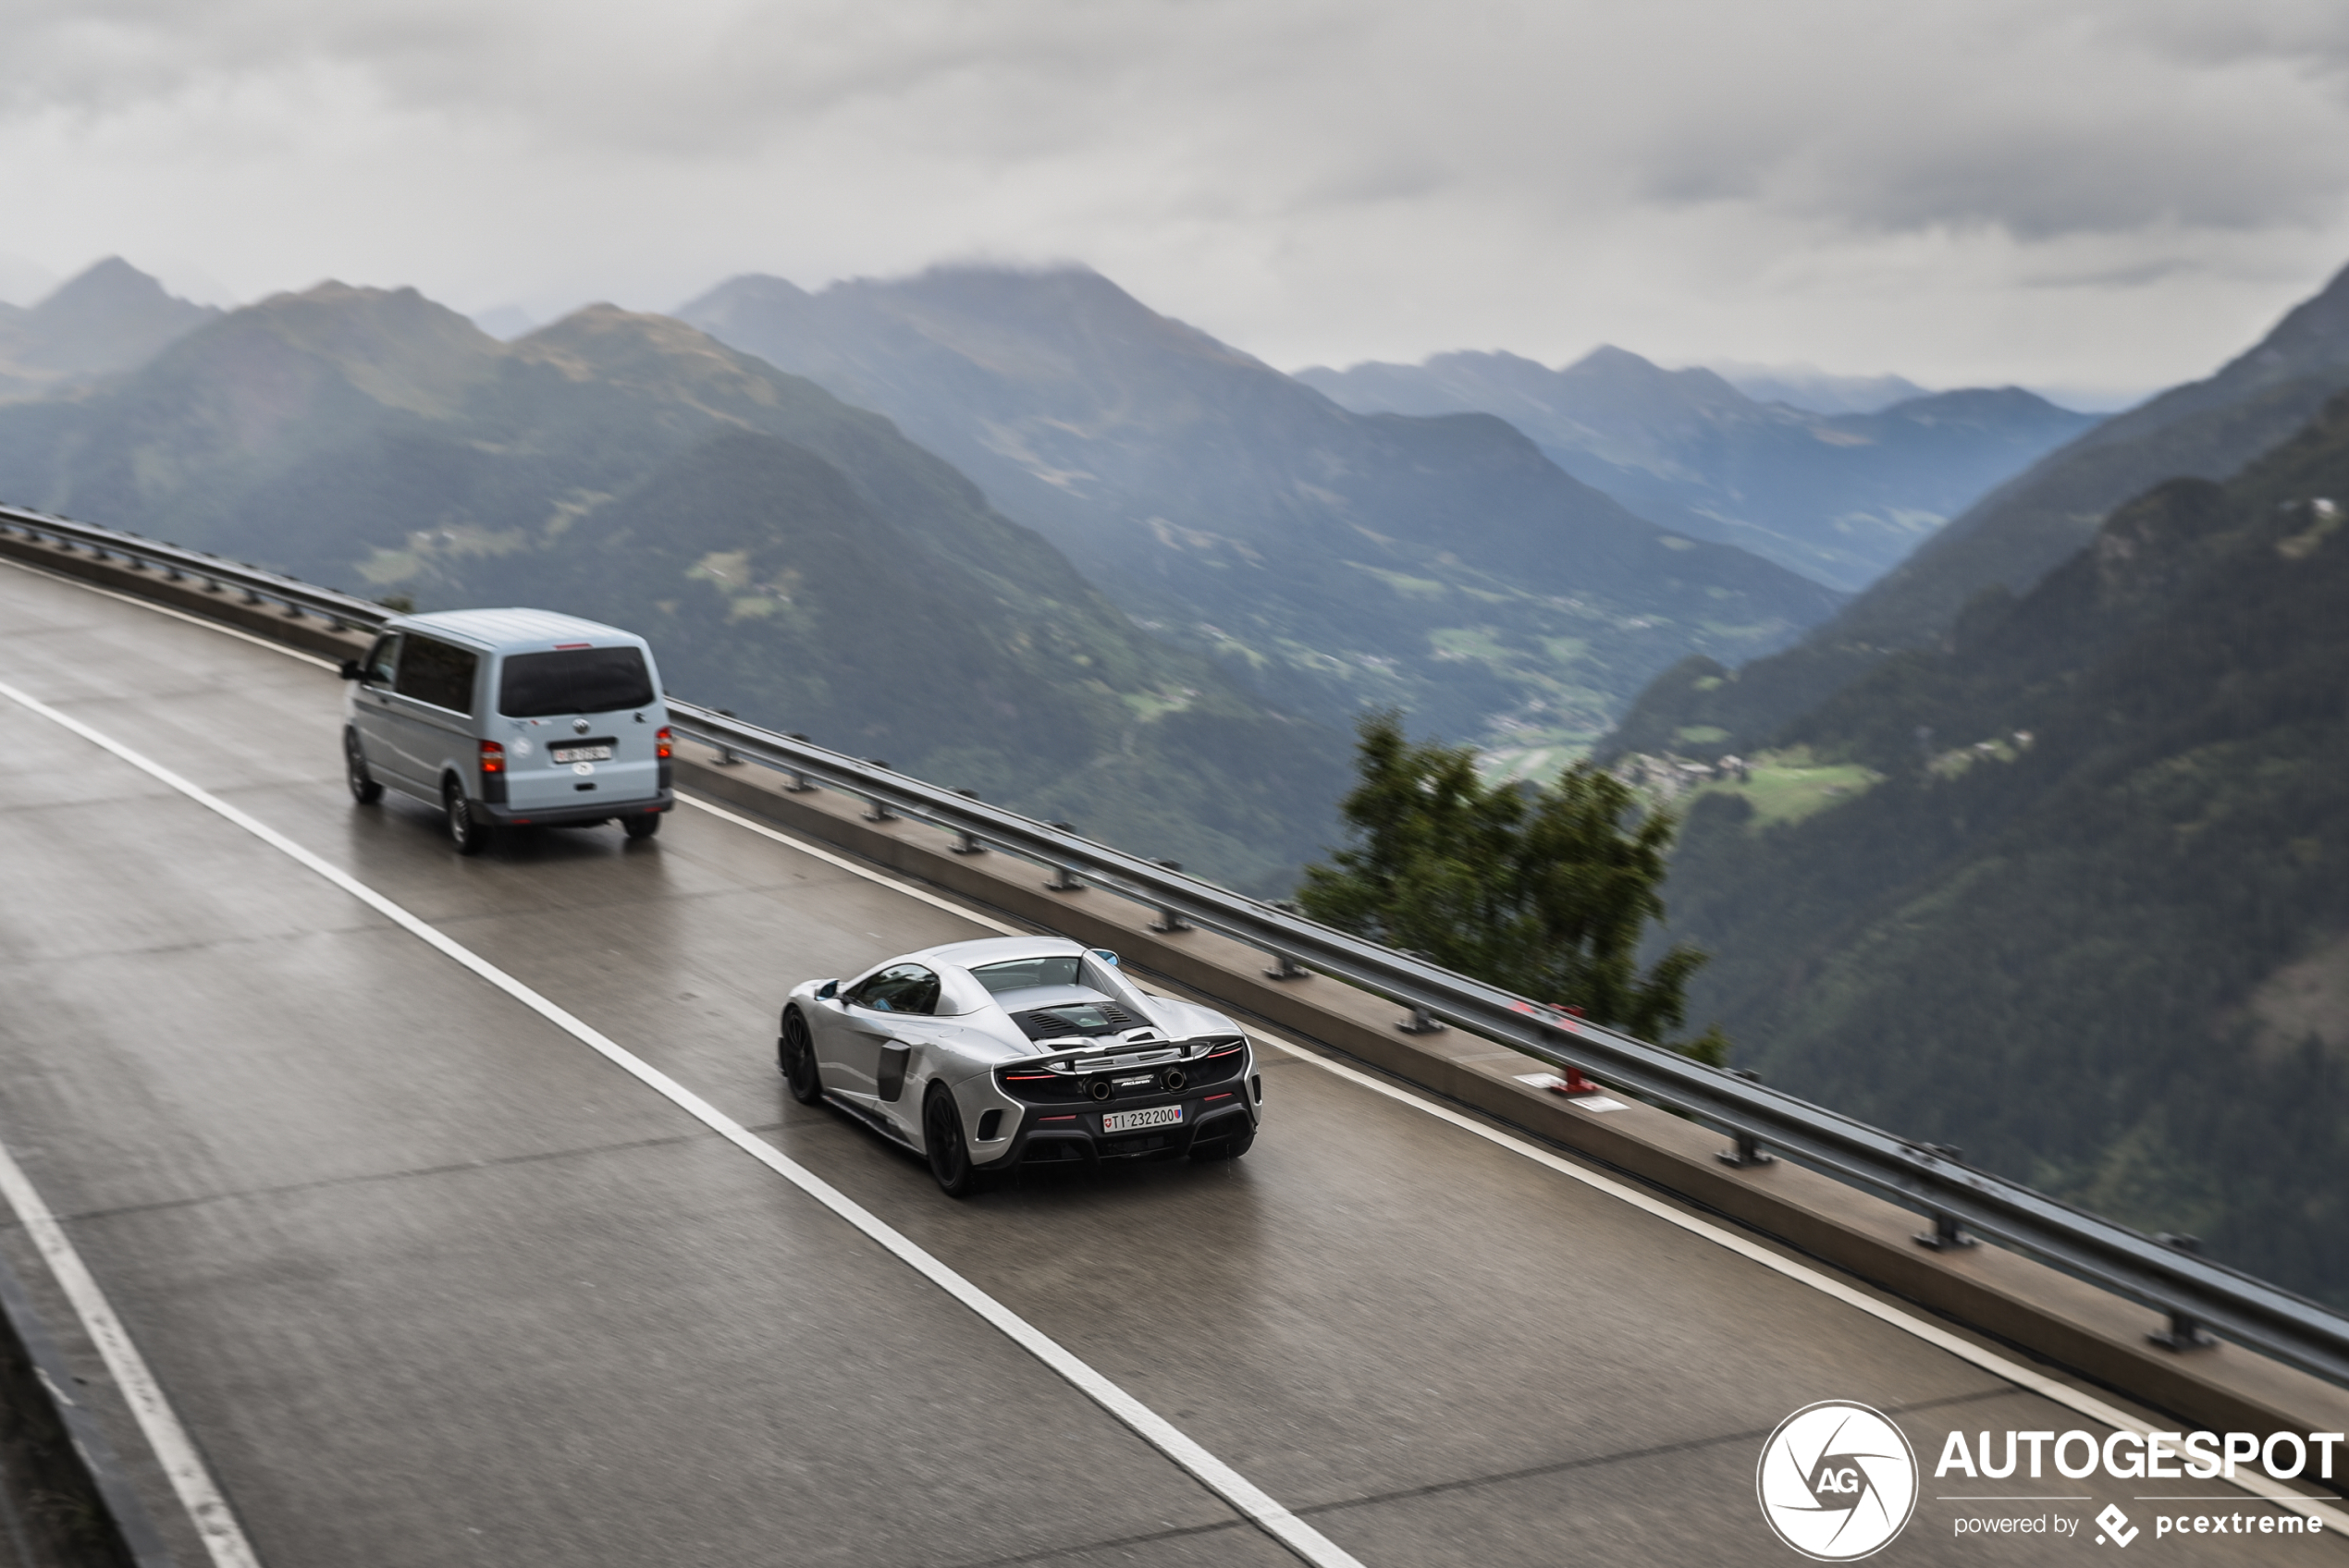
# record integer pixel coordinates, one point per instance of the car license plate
(582, 753)
(1127, 1120)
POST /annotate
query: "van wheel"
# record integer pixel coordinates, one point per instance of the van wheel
(467, 832)
(642, 825)
(363, 788)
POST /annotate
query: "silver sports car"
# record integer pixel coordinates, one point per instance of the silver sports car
(1019, 1050)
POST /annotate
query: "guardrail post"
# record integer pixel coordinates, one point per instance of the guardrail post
(1745, 1149)
(1948, 1233)
(2184, 1333)
(726, 757)
(800, 784)
(966, 842)
(1063, 877)
(877, 809)
(1284, 966)
(1421, 1022)
(1169, 921)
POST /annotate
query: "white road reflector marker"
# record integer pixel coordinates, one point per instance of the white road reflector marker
(1580, 1101)
(203, 1498)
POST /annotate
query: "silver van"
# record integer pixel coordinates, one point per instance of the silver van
(510, 719)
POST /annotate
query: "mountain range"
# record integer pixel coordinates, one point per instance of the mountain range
(1816, 391)
(1840, 497)
(2079, 900)
(1328, 558)
(2007, 541)
(111, 318)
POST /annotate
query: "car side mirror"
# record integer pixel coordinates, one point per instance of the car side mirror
(350, 671)
(1106, 956)
(828, 990)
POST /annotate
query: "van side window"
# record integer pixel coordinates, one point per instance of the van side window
(437, 672)
(382, 659)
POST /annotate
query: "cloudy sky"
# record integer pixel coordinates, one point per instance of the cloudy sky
(2085, 194)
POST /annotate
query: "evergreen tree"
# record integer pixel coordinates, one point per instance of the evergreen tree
(1541, 891)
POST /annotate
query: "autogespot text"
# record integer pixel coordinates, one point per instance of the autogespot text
(2161, 1456)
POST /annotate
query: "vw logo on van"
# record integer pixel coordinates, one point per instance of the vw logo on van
(579, 725)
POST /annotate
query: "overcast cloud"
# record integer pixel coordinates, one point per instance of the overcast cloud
(2113, 193)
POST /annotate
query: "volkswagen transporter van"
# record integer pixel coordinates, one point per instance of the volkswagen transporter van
(510, 719)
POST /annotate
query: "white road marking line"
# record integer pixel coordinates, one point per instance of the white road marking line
(255, 638)
(1227, 1483)
(804, 847)
(207, 1509)
(1931, 1333)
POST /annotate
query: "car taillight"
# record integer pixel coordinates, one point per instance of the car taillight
(493, 757)
(661, 742)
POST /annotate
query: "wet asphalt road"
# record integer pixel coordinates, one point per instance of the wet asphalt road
(432, 1283)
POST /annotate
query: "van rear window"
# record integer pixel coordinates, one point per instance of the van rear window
(574, 681)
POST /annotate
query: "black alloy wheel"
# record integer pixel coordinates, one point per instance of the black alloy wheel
(949, 1157)
(1230, 1146)
(795, 1056)
(643, 825)
(467, 833)
(363, 788)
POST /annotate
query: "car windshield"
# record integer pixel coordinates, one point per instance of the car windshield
(574, 681)
(1027, 973)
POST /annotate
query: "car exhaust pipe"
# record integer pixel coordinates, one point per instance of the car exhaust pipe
(1099, 1088)
(1173, 1079)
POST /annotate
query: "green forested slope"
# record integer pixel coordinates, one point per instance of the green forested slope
(2093, 926)
(792, 557)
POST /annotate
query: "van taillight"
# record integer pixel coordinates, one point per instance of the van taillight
(661, 741)
(493, 757)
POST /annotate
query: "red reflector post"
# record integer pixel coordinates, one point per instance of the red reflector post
(493, 757)
(663, 742)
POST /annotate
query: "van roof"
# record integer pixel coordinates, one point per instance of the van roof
(516, 629)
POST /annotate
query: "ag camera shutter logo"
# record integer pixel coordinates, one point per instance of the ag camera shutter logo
(1837, 1481)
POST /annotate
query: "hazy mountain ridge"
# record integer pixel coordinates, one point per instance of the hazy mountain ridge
(2205, 429)
(794, 559)
(1840, 497)
(1817, 391)
(109, 319)
(2092, 925)
(1332, 558)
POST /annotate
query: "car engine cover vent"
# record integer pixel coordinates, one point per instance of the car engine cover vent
(1076, 1019)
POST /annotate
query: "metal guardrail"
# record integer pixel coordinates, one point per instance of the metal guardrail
(2198, 1293)
(173, 563)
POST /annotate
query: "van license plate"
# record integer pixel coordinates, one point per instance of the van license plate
(582, 753)
(1127, 1120)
